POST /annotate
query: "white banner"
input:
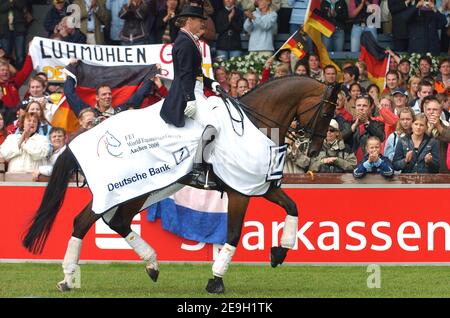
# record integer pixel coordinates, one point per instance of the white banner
(51, 56)
(123, 161)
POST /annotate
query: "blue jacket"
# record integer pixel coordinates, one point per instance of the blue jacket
(383, 166)
(417, 164)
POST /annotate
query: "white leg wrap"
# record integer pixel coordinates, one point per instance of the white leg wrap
(71, 259)
(289, 231)
(145, 251)
(222, 261)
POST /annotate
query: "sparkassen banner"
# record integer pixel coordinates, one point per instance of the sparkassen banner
(337, 224)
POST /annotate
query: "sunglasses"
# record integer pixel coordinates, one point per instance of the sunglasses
(332, 130)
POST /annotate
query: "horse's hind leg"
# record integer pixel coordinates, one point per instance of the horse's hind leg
(237, 206)
(81, 226)
(278, 253)
(121, 222)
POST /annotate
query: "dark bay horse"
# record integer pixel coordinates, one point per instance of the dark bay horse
(272, 105)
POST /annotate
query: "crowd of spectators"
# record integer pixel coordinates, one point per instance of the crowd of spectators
(403, 128)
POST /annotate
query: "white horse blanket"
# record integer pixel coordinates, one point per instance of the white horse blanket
(135, 152)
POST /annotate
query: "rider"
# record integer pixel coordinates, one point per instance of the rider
(188, 77)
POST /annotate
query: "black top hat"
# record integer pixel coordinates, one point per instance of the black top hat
(191, 11)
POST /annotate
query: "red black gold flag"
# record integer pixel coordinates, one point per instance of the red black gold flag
(296, 44)
(376, 59)
(123, 80)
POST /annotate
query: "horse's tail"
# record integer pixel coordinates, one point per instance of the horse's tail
(55, 191)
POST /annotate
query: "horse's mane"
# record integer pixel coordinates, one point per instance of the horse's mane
(276, 79)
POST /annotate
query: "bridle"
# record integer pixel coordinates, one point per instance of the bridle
(301, 135)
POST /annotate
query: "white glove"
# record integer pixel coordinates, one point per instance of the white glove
(191, 108)
(215, 87)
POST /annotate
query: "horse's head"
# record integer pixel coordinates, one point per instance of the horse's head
(316, 119)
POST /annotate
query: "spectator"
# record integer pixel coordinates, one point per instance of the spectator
(330, 74)
(250, 5)
(233, 78)
(157, 92)
(58, 145)
(242, 87)
(301, 68)
(43, 125)
(401, 12)
(374, 161)
(27, 150)
(424, 66)
(3, 132)
(336, 12)
(335, 156)
(54, 16)
(350, 76)
(437, 128)
(425, 89)
(364, 126)
(116, 25)
(8, 59)
(134, 14)
(442, 84)
(87, 118)
(165, 29)
(404, 67)
(284, 56)
(418, 152)
(222, 77)
(36, 89)
(10, 85)
(355, 91)
(400, 100)
(261, 24)
(392, 79)
(314, 67)
(387, 116)
(359, 14)
(13, 29)
(445, 31)
(296, 159)
(229, 26)
(403, 128)
(445, 102)
(413, 88)
(298, 14)
(280, 70)
(93, 16)
(363, 75)
(252, 79)
(423, 28)
(374, 91)
(67, 32)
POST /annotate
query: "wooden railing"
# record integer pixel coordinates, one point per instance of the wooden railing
(347, 178)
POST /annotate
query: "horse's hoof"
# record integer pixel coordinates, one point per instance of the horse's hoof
(63, 287)
(153, 273)
(215, 286)
(277, 255)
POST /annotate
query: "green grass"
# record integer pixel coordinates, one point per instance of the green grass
(250, 281)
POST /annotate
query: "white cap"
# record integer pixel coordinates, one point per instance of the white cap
(334, 124)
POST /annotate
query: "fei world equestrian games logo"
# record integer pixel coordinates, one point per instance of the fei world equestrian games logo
(108, 144)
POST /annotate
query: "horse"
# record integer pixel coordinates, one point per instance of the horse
(273, 104)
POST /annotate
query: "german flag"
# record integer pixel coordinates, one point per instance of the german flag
(295, 44)
(123, 80)
(376, 59)
(314, 28)
(319, 23)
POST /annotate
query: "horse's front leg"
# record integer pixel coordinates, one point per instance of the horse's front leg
(237, 206)
(278, 253)
(81, 226)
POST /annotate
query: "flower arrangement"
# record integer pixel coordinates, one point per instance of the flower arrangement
(414, 59)
(244, 63)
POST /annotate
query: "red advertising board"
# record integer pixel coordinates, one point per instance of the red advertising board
(337, 224)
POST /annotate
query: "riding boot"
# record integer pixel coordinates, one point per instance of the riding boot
(201, 170)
